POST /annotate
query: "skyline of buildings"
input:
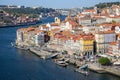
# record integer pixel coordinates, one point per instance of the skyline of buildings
(79, 33)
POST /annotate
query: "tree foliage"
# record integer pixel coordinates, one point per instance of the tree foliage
(104, 61)
(103, 5)
(28, 10)
(108, 4)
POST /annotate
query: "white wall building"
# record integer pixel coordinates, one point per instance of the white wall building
(103, 39)
(39, 39)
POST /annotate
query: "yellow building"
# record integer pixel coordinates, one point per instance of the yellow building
(57, 20)
(86, 44)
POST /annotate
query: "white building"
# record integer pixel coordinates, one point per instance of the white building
(102, 39)
(39, 39)
(20, 37)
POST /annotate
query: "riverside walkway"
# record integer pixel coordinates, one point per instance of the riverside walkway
(43, 54)
(105, 69)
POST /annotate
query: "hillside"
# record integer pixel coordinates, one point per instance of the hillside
(103, 5)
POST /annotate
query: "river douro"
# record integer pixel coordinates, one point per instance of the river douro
(16, 64)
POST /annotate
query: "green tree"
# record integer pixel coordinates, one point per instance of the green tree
(106, 4)
(104, 61)
(113, 21)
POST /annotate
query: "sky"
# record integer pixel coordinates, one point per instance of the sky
(55, 3)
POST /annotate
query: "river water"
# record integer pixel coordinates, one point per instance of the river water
(16, 64)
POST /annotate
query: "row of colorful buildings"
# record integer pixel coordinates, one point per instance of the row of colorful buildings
(87, 33)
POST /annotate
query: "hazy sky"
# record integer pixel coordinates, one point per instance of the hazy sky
(55, 3)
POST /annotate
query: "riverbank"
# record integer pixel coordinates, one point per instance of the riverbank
(22, 24)
(41, 53)
(104, 69)
(92, 66)
(44, 54)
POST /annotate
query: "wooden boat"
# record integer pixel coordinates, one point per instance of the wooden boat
(62, 63)
(82, 71)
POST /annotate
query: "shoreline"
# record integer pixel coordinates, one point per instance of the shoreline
(93, 67)
(104, 69)
(99, 70)
(42, 54)
(17, 25)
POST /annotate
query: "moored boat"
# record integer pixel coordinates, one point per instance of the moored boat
(61, 63)
(82, 71)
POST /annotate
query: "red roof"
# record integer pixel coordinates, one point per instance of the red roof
(113, 43)
(92, 10)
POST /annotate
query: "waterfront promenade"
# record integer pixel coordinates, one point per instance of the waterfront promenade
(115, 70)
(43, 54)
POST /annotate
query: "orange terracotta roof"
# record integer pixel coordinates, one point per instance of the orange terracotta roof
(106, 32)
(44, 26)
(85, 18)
(113, 43)
(76, 37)
(38, 31)
(118, 16)
(118, 35)
(58, 35)
(64, 38)
(21, 29)
(26, 30)
(102, 24)
(68, 18)
(92, 10)
(81, 15)
(54, 24)
(97, 16)
(92, 29)
(55, 29)
(108, 24)
(30, 28)
(88, 37)
(72, 22)
(67, 33)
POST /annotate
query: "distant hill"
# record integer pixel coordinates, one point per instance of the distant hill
(108, 4)
(28, 10)
(103, 5)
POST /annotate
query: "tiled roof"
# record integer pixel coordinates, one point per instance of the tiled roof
(81, 15)
(108, 24)
(67, 33)
(118, 35)
(38, 31)
(117, 16)
(30, 29)
(73, 23)
(113, 43)
(92, 10)
(54, 24)
(106, 32)
(88, 38)
(44, 26)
